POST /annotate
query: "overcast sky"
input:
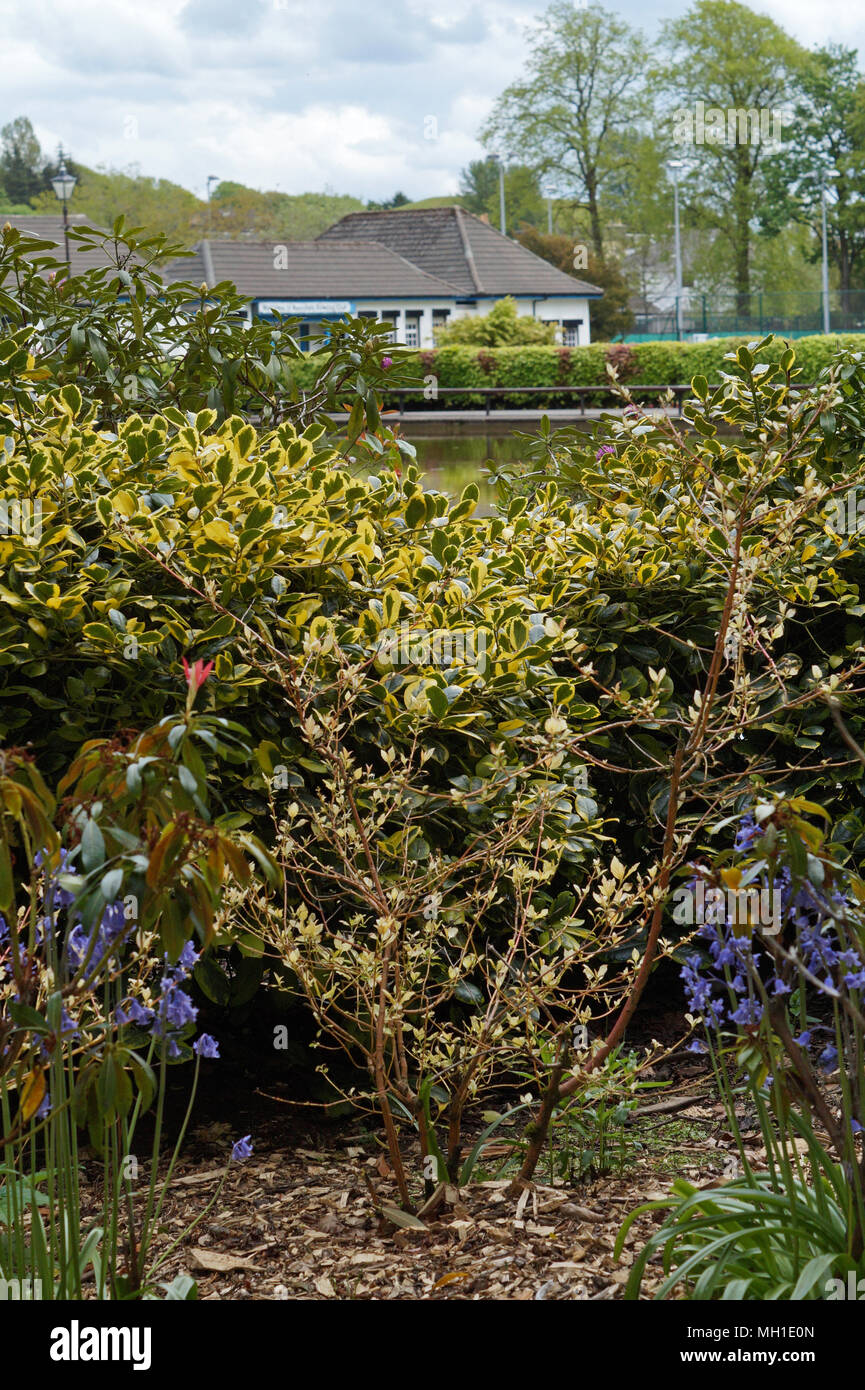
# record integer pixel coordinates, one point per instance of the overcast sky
(298, 95)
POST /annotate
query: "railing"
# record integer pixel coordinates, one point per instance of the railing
(680, 392)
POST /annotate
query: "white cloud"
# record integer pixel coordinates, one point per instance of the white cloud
(289, 94)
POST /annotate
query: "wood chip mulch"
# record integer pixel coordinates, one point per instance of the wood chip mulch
(303, 1222)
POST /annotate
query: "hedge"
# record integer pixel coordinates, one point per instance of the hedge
(648, 364)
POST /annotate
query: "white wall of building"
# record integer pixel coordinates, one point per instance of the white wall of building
(570, 313)
(415, 316)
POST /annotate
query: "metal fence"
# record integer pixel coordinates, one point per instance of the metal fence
(764, 311)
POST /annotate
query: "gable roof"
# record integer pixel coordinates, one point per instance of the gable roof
(332, 269)
(50, 228)
(462, 249)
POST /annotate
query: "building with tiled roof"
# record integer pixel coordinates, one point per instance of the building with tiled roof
(416, 270)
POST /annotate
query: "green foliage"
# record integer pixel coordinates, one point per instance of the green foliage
(23, 167)
(480, 193)
(827, 128)
(651, 364)
(237, 211)
(575, 114)
(123, 339)
(111, 881)
(501, 327)
(747, 1240)
(724, 54)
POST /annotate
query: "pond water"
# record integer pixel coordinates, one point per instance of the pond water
(452, 462)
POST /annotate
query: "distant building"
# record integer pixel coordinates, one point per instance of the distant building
(417, 270)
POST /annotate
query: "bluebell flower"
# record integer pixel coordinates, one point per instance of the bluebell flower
(206, 1046)
(174, 1010)
(242, 1149)
(749, 1012)
(747, 833)
(829, 1058)
(130, 1011)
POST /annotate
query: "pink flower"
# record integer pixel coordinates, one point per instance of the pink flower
(196, 674)
(386, 362)
(604, 449)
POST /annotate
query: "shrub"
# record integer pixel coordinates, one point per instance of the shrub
(649, 364)
(501, 326)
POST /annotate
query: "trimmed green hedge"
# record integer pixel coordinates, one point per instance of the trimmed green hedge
(648, 364)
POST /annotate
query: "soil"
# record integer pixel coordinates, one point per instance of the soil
(311, 1214)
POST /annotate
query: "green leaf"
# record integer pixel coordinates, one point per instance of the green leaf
(92, 845)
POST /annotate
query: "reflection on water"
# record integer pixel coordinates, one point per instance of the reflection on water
(451, 463)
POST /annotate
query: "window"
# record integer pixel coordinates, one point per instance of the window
(391, 316)
(571, 332)
(412, 329)
(440, 317)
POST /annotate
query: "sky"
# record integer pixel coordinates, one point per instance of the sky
(296, 95)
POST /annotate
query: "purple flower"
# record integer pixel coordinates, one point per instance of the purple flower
(188, 956)
(747, 833)
(175, 1009)
(749, 1012)
(604, 449)
(829, 1058)
(130, 1011)
(242, 1149)
(206, 1046)
(386, 362)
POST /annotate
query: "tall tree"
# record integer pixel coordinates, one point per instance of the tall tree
(22, 163)
(827, 133)
(727, 67)
(611, 316)
(398, 200)
(524, 202)
(575, 113)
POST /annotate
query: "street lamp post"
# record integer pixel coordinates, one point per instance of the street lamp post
(211, 178)
(63, 183)
(674, 165)
(502, 197)
(824, 175)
